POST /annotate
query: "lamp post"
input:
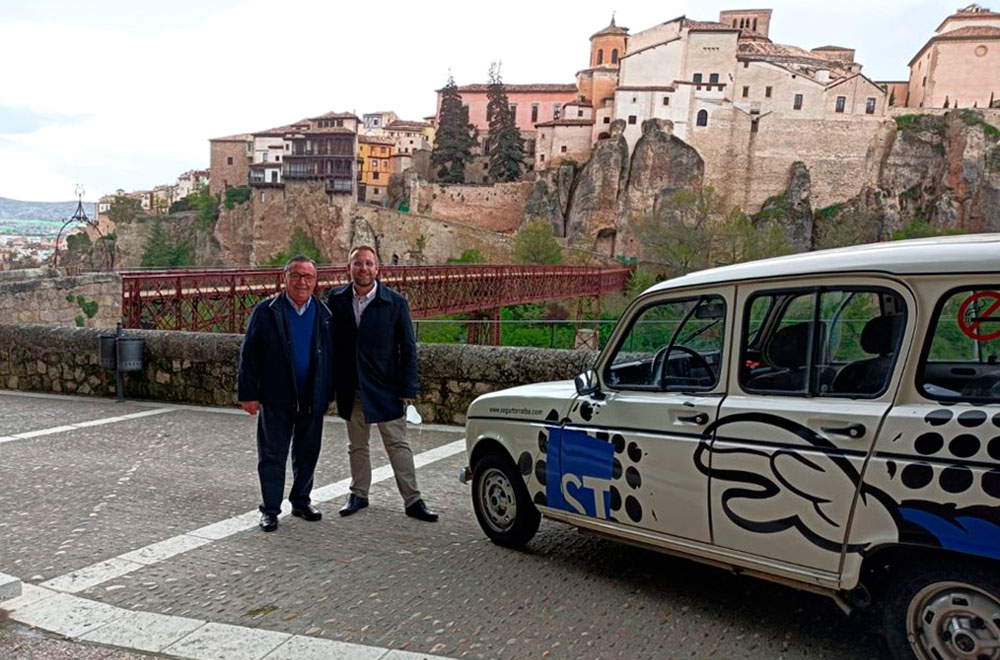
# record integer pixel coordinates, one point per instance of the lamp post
(80, 217)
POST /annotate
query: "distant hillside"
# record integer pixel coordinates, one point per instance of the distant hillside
(12, 209)
(37, 218)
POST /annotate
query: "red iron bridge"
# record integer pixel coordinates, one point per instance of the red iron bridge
(220, 300)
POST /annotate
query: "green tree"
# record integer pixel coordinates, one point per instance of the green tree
(536, 243)
(735, 239)
(299, 243)
(207, 206)
(124, 210)
(160, 251)
(470, 256)
(504, 142)
(677, 233)
(455, 136)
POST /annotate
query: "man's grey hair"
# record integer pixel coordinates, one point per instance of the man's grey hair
(299, 259)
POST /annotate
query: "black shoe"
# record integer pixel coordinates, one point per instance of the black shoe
(354, 504)
(268, 522)
(308, 512)
(420, 511)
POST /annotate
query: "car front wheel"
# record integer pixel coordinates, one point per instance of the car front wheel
(501, 501)
(949, 611)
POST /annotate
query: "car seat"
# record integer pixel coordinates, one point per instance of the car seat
(868, 376)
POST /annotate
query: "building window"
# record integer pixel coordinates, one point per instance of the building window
(634, 99)
(797, 104)
(702, 118)
(924, 83)
(713, 77)
(696, 78)
(534, 115)
(841, 101)
(541, 157)
(607, 120)
(262, 197)
(755, 25)
(513, 110)
(614, 56)
(746, 91)
(375, 176)
(229, 160)
(562, 149)
(666, 100)
(600, 56)
(556, 110)
(631, 119)
(579, 112)
(767, 92)
(870, 106)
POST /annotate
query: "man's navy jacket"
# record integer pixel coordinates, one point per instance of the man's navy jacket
(379, 357)
(267, 370)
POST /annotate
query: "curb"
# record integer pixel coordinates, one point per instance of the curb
(10, 587)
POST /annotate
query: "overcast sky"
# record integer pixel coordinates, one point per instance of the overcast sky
(126, 93)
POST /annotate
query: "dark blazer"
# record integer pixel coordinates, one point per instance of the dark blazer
(267, 371)
(379, 357)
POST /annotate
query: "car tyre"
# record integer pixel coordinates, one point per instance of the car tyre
(501, 501)
(945, 611)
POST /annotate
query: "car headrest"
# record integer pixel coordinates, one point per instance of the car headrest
(789, 346)
(880, 334)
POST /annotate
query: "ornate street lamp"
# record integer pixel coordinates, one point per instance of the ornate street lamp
(80, 217)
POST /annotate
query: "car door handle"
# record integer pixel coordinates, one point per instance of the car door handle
(699, 419)
(851, 430)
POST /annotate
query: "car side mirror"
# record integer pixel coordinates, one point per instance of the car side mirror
(587, 383)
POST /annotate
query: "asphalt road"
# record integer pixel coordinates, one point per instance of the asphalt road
(77, 497)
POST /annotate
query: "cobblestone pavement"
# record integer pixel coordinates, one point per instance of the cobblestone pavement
(376, 578)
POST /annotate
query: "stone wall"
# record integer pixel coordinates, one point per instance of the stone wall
(200, 368)
(132, 238)
(40, 295)
(499, 207)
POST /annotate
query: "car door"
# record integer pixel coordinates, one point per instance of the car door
(813, 382)
(627, 452)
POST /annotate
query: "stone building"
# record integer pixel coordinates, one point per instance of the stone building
(374, 123)
(229, 161)
(374, 167)
(586, 119)
(189, 182)
(694, 73)
(960, 65)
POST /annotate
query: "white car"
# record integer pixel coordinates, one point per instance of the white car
(828, 420)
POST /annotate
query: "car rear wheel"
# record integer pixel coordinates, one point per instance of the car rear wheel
(946, 612)
(503, 506)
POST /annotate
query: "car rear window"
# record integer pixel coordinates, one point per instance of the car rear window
(962, 355)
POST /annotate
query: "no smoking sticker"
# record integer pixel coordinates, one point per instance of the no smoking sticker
(978, 323)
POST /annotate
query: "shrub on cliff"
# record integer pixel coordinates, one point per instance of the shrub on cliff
(536, 243)
(236, 195)
(299, 243)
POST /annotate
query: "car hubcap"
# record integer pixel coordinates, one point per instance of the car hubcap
(954, 621)
(496, 494)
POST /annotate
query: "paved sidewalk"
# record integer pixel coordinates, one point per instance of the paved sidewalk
(148, 524)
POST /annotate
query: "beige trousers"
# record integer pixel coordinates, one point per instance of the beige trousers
(400, 456)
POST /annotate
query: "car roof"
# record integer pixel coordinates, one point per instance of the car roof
(973, 253)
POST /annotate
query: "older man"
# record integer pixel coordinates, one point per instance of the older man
(284, 376)
(376, 377)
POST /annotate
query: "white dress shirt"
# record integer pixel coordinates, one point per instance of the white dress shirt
(360, 302)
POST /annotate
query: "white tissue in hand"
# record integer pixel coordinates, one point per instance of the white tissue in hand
(412, 416)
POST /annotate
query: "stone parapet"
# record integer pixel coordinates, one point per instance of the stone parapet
(201, 368)
(41, 296)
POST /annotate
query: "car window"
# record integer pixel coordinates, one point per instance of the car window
(847, 349)
(673, 345)
(962, 358)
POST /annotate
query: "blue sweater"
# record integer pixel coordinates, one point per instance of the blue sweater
(300, 328)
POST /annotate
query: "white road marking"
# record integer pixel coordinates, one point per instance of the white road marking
(92, 621)
(82, 425)
(90, 576)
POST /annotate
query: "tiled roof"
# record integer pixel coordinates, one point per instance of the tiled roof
(987, 31)
(768, 49)
(833, 48)
(280, 130)
(611, 30)
(707, 25)
(239, 137)
(536, 87)
(567, 122)
(402, 125)
(336, 115)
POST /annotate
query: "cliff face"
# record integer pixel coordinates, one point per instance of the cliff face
(612, 189)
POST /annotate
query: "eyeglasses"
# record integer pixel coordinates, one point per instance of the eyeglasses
(297, 277)
(362, 264)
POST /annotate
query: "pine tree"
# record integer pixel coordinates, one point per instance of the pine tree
(454, 138)
(505, 144)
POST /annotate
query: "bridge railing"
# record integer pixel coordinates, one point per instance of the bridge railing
(221, 299)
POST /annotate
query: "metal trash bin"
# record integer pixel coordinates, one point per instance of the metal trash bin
(108, 356)
(130, 353)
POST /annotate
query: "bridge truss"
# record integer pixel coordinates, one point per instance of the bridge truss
(220, 300)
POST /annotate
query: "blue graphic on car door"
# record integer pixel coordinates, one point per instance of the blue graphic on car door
(578, 473)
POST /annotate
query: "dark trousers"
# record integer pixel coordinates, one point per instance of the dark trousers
(277, 430)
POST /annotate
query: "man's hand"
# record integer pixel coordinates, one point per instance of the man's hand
(250, 406)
